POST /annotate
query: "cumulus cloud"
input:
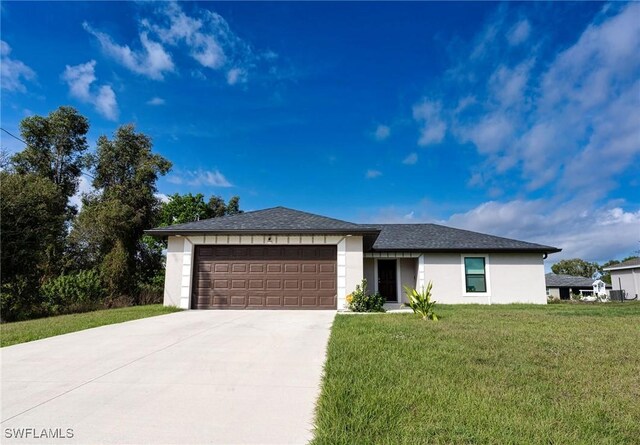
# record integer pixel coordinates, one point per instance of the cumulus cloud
(80, 78)
(236, 75)
(151, 60)
(382, 132)
(13, 72)
(200, 177)
(156, 101)
(428, 114)
(411, 159)
(372, 174)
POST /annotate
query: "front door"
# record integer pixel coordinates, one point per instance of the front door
(387, 280)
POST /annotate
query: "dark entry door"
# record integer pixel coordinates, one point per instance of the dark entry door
(387, 280)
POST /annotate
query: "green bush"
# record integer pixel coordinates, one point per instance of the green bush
(20, 300)
(78, 292)
(420, 302)
(360, 301)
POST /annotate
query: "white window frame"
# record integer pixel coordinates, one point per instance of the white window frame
(487, 275)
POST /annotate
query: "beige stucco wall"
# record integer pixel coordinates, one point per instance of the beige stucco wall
(408, 275)
(354, 267)
(179, 265)
(629, 279)
(173, 271)
(554, 292)
(511, 278)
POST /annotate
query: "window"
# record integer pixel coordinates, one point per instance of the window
(475, 276)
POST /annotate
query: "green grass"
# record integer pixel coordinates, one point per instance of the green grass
(517, 374)
(24, 331)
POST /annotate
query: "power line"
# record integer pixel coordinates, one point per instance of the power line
(16, 137)
(13, 136)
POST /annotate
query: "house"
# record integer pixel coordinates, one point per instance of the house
(625, 277)
(280, 258)
(561, 286)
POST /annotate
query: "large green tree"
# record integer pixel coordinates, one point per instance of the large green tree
(30, 227)
(109, 230)
(576, 267)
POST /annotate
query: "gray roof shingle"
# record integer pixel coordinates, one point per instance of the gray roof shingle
(381, 237)
(273, 220)
(560, 280)
(434, 237)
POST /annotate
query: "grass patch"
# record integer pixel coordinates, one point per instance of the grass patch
(516, 374)
(24, 331)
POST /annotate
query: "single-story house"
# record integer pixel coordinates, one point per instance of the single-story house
(561, 286)
(280, 258)
(625, 276)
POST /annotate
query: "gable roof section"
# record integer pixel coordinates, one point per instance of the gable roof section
(629, 264)
(268, 221)
(560, 280)
(378, 237)
(434, 237)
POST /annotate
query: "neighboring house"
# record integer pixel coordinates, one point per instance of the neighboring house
(626, 276)
(562, 286)
(280, 258)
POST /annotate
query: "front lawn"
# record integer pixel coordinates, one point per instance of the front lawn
(517, 374)
(24, 331)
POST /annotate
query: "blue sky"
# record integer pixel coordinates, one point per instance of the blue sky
(520, 119)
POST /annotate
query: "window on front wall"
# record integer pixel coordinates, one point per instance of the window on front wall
(475, 276)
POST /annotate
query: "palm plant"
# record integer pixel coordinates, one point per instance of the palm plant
(421, 303)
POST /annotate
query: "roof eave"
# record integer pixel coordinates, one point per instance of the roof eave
(471, 250)
(191, 232)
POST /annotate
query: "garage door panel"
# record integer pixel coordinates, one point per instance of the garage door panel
(265, 277)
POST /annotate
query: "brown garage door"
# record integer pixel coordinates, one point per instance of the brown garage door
(264, 277)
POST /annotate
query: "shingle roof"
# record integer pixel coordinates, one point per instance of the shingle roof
(273, 220)
(434, 237)
(560, 280)
(633, 262)
(384, 237)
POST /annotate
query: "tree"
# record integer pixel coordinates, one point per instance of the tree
(30, 229)
(111, 224)
(55, 148)
(187, 208)
(576, 267)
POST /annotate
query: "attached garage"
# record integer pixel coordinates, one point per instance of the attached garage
(264, 277)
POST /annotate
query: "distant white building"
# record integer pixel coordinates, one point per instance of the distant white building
(626, 277)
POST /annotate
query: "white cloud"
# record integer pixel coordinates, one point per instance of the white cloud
(433, 128)
(13, 72)
(155, 101)
(411, 159)
(151, 60)
(382, 132)
(200, 177)
(593, 234)
(372, 174)
(519, 33)
(84, 187)
(162, 197)
(236, 75)
(79, 78)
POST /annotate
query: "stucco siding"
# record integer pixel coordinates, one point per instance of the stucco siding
(173, 271)
(408, 275)
(369, 273)
(627, 279)
(511, 278)
(354, 267)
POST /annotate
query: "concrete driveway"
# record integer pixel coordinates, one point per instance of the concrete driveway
(191, 377)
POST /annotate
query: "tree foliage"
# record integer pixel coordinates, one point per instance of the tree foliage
(110, 228)
(576, 267)
(188, 207)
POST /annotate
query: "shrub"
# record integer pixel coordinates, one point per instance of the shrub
(360, 301)
(420, 302)
(78, 292)
(20, 300)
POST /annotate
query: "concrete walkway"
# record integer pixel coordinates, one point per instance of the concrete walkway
(194, 377)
